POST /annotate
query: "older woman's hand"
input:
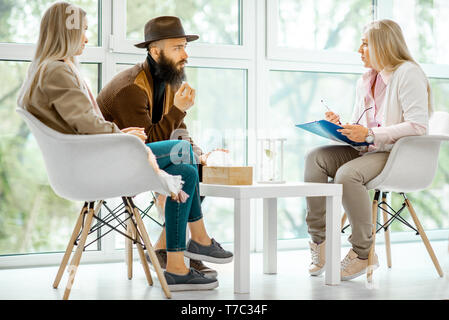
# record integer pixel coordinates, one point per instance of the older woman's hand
(354, 132)
(332, 117)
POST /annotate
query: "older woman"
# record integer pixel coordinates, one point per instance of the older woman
(392, 101)
(56, 93)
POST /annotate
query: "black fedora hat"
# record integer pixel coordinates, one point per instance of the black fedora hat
(165, 27)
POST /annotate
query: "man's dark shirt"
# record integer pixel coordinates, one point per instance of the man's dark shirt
(158, 92)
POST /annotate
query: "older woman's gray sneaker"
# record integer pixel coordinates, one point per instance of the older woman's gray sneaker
(194, 280)
(213, 253)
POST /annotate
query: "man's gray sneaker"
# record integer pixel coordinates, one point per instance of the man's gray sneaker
(213, 253)
(194, 280)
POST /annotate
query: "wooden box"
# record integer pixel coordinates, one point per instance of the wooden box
(228, 175)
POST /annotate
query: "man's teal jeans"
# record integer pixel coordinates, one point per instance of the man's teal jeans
(176, 158)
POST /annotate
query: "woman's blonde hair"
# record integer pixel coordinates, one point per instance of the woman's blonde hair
(60, 38)
(388, 49)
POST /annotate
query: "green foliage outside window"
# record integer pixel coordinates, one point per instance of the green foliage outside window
(215, 21)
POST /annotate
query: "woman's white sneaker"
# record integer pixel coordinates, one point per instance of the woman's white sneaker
(352, 266)
(318, 258)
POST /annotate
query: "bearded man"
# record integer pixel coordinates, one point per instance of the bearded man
(151, 95)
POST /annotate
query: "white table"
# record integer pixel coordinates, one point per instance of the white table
(270, 193)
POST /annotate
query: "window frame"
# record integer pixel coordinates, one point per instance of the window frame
(120, 44)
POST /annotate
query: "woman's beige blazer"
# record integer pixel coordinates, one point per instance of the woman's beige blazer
(61, 103)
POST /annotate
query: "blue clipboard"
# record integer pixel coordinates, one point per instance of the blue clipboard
(328, 130)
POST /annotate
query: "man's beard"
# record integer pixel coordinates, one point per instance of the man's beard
(167, 70)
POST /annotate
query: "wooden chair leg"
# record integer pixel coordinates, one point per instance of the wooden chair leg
(386, 231)
(145, 266)
(70, 246)
(143, 260)
(423, 236)
(146, 239)
(343, 219)
(129, 248)
(79, 250)
(369, 273)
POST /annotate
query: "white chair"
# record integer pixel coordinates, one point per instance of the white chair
(411, 167)
(92, 168)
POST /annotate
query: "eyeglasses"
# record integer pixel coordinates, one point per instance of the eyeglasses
(363, 114)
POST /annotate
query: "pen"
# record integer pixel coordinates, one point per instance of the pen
(324, 104)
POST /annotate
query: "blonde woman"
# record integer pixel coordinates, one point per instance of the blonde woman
(56, 93)
(392, 101)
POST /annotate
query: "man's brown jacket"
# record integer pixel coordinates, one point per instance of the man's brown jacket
(127, 100)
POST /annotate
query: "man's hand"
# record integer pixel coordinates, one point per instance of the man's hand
(184, 97)
(203, 157)
(138, 132)
(354, 132)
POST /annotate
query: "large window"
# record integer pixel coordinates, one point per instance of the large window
(218, 120)
(295, 98)
(259, 68)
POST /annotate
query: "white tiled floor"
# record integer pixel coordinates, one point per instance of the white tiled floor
(413, 276)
